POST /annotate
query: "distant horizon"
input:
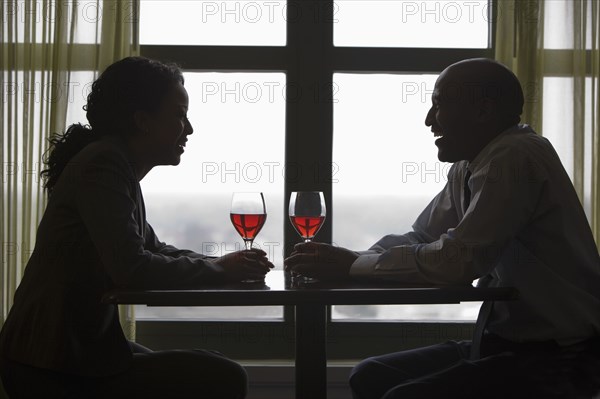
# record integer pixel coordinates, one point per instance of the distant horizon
(196, 220)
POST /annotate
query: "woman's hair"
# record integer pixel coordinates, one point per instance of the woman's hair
(129, 85)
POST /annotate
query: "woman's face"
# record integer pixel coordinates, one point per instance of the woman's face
(168, 128)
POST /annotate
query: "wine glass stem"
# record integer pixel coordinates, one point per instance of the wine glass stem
(248, 244)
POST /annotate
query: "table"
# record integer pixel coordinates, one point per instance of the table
(310, 302)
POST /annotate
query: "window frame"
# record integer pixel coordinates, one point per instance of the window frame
(309, 59)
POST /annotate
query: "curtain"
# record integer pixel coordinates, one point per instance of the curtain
(43, 45)
(553, 47)
(519, 46)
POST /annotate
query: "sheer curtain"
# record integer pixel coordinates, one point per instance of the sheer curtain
(43, 44)
(553, 47)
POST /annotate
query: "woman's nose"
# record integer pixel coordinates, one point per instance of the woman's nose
(189, 129)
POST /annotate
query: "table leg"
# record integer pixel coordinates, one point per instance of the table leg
(311, 351)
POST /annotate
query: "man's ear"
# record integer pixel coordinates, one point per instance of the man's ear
(487, 110)
(142, 121)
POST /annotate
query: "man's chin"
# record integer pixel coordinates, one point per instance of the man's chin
(447, 155)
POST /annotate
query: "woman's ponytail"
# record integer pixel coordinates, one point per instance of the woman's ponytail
(63, 148)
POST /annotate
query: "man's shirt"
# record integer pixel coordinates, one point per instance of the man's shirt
(524, 226)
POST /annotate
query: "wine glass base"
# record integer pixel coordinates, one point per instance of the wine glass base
(254, 281)
(300, 279)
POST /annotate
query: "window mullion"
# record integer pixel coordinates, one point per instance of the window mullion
(404, 60)
(309, 109)
(221, 58)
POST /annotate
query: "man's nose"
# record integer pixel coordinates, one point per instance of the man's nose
(429, 117)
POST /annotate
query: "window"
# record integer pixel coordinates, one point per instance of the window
(388, 172)
(341, 73)
(86, 14)
(405, 23)
(559, 119)
(237, 145)
(240, 22)
(558, 125)
(560, 36)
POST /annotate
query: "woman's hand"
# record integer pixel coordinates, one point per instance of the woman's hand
(245, 265)
(321, 261)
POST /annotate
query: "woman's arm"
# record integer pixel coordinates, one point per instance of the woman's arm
(106, 201)
(153, 244)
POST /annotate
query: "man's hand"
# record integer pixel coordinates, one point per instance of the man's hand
(321, 261)
(245, 265)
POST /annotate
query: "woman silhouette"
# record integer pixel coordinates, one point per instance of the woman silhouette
(59, 340)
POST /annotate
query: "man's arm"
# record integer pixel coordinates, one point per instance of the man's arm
(440, 215)
(505, 193)
(324, 261)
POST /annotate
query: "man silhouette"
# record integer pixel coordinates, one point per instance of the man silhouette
(508, 216)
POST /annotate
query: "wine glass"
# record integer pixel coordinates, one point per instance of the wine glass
(248, 215)
(307, 212)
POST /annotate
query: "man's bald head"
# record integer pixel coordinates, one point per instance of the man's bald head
(480, 78)
(473, 101)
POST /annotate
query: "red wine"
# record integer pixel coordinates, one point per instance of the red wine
(248, 225)
(307, 226)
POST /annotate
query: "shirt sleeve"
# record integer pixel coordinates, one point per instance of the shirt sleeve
(104, 200)
(504, 194)
(439, 214)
